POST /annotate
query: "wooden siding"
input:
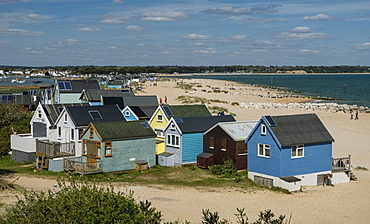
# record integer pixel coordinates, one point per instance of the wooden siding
(317, 157)
(192, 146)
(240, 161)
(126, 152)
(269, 166)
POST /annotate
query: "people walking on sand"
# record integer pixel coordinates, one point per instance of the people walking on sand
(165, 99)
(351, 114)
(160, 101)
(356, 115)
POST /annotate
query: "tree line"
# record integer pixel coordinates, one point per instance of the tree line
(175, 69)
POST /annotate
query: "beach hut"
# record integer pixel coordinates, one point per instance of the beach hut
(289, 151)
(226, 140)
(184, 136)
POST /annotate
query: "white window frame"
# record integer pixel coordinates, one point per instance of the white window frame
(65, 118)
(39, 114)
(173, 140)
(127, 113)
(72, 134)
(263, 129)
(159, 117)
(265, 148)
(173, 126)
(159, 133)
(59, 132)
(296, 149)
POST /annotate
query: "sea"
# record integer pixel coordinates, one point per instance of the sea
(351, 89)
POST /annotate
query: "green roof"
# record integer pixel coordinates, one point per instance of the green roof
(189, 110)
(123, 130)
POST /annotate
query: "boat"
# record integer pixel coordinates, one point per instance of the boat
(38, 81)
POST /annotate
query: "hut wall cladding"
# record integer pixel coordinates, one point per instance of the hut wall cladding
(231, 150)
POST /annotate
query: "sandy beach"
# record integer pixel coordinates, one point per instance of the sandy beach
(342, 203)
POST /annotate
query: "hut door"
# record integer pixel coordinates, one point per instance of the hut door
(91, 163)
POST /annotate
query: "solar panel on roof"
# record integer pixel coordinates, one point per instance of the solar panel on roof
(179, 120)
(61, 85)
(95, 115)
(145, 125)
(68, 85)
(167, 110)
(270, 120)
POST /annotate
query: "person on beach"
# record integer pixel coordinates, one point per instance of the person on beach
(160, 101)
(165, 99)
(356, 115)
(350, 114)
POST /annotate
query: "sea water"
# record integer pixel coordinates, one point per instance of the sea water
(351, 89)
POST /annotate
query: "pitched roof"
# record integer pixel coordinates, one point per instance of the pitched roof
(238, 130)
(200, 124)
(123, 130)
(82, 116)
(299, 129)
(186, 110)
(52, 111)
(78, 85)
(123, 101)
(94, 95)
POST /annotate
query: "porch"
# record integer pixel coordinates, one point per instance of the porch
(343, 164)
(76, 165)
(46, 148)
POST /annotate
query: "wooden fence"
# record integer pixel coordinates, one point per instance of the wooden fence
(76, 165)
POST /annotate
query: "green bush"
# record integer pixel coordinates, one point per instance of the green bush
(81, 203)
(226, 170)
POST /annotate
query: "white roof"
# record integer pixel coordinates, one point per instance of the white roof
(238, 131)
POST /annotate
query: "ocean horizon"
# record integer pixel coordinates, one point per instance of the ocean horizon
(351, 89)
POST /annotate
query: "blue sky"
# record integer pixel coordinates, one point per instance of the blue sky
(184, 32)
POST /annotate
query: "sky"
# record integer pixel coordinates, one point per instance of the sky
(184, 32)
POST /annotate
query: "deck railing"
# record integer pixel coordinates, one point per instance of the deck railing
(55, 149)
(76, 165)
(341, 164)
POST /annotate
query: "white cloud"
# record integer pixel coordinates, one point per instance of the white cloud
(320, 17)
(363, 46)
(194, 36)
(115, 19)
(89, 29)
(36, 17)
(300, 29)
(9, 1)
(205, 51)
(229, 10)
(309, 51)
(117, 1)
(20, 32)
(163, 16)
(301, 33)
(134, 28)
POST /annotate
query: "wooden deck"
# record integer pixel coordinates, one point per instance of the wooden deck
(75, 165)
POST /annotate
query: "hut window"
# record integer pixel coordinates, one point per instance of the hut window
(264, 150)
(223, 144)
(241, 148)
(108, 149)
(59, 132)
(211, 142)
(127, 113)
(160, 117)
(159, 133)
(65, 118)
(173, 140)
(72, 134)
(39, 113)
(297, 151)
(263, 130)
(91, 133)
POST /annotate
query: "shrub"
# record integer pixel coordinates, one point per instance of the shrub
(226, 170)
(82, 203)
(234, 104)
